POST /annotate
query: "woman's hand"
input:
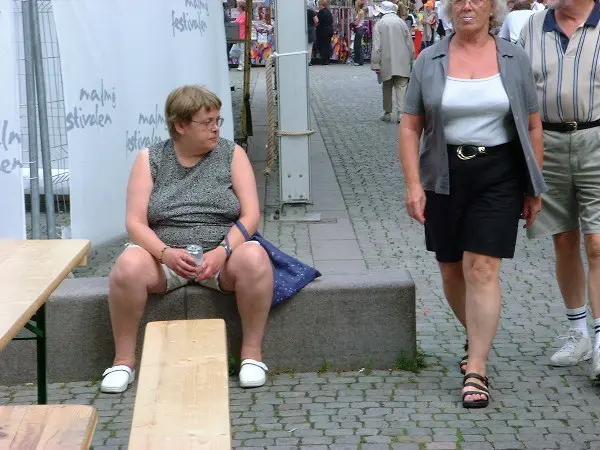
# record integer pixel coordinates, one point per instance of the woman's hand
(531, 208)
(180, 262)
(415, 202)
(212, 263)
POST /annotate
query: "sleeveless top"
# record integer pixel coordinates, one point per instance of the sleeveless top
(192, 205)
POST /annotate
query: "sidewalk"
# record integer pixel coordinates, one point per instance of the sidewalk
(331, 243)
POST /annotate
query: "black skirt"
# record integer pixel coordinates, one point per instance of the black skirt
(482, 212)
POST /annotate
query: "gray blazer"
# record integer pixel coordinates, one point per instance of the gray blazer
(424, 98)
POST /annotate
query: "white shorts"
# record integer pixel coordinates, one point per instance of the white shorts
(174, 281)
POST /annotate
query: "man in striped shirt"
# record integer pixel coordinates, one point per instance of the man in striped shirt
(563, 43)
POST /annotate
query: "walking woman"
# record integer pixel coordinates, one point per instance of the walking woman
(324, 32)
(477, 172)
(359, 32)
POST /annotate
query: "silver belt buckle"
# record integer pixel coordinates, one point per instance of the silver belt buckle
(460, 153)
(572, 126)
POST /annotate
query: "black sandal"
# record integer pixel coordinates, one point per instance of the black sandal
(482, 390)
(462, 365)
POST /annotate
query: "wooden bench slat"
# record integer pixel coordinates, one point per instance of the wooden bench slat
(182, 398)
(47, 427)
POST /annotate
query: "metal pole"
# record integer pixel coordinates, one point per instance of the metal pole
(246, 112)
(31, 120)
(40, 83)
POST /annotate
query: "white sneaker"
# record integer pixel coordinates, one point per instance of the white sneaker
(399, 117)
(117, 379)
(252, 373)
(595, 375)
(577, 348)
(387, 117)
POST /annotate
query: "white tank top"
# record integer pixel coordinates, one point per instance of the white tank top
(477, 112)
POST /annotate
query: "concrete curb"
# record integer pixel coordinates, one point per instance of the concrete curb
(343, 321)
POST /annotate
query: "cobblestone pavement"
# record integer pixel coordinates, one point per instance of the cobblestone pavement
(533, 406)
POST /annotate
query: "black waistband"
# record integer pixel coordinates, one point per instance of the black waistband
(466, 152)
(569, 127)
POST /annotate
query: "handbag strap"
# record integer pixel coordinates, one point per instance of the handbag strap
(243, 230)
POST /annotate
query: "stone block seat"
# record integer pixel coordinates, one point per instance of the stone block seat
(343, 322)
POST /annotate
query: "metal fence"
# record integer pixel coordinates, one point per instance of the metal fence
(38, 51)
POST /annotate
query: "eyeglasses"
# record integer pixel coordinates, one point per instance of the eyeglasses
(461, 3)
(208, 124)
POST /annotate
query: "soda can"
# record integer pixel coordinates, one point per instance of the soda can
(196, 252)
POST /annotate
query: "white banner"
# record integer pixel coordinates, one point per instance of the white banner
(120, 59)
(12, 215)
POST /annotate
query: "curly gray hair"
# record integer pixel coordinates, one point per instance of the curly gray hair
(498, 12)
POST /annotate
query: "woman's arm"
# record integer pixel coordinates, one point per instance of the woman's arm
(411, 128)
(139, 189)
(244, 187)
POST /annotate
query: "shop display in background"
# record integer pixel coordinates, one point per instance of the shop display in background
(263, 44)
(262, 38)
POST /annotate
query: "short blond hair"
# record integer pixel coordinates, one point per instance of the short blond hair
(402, 10)
(185, 101)
(324, 3)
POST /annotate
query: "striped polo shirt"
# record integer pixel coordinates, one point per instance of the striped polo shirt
(565, 70)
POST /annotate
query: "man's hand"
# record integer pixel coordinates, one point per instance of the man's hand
(531, 208)
(212, 263)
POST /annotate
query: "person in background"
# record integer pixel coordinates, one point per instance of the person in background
(238, 50)
(429, 22)
(515, 20)
(359, 32)
(311, 22)
(538, 5)
(471, 150)
(445, 21)
(392, 57)
(563, 44)
(510, 4)
(324, 32)
(190, 189)
(410, 20)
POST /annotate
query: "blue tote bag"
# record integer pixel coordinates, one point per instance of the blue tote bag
(289, 274)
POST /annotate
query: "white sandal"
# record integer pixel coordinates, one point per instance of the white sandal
(117, 379)
(252, 373)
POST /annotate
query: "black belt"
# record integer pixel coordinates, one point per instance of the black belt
(466, 152)
(569, 127)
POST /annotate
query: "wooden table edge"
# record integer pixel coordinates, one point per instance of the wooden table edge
(19, 324)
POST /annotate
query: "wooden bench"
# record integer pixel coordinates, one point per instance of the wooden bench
(47, 427)
(182, 398)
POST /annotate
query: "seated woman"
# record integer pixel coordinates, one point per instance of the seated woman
(190, 189)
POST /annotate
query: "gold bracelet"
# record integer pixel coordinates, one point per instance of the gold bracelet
(162, 254)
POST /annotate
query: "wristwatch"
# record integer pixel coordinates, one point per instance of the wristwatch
(227, 248)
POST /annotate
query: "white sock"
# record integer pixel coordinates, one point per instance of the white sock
(577, 319)
(597, 330)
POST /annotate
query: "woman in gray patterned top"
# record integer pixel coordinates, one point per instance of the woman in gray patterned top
(190, 189)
